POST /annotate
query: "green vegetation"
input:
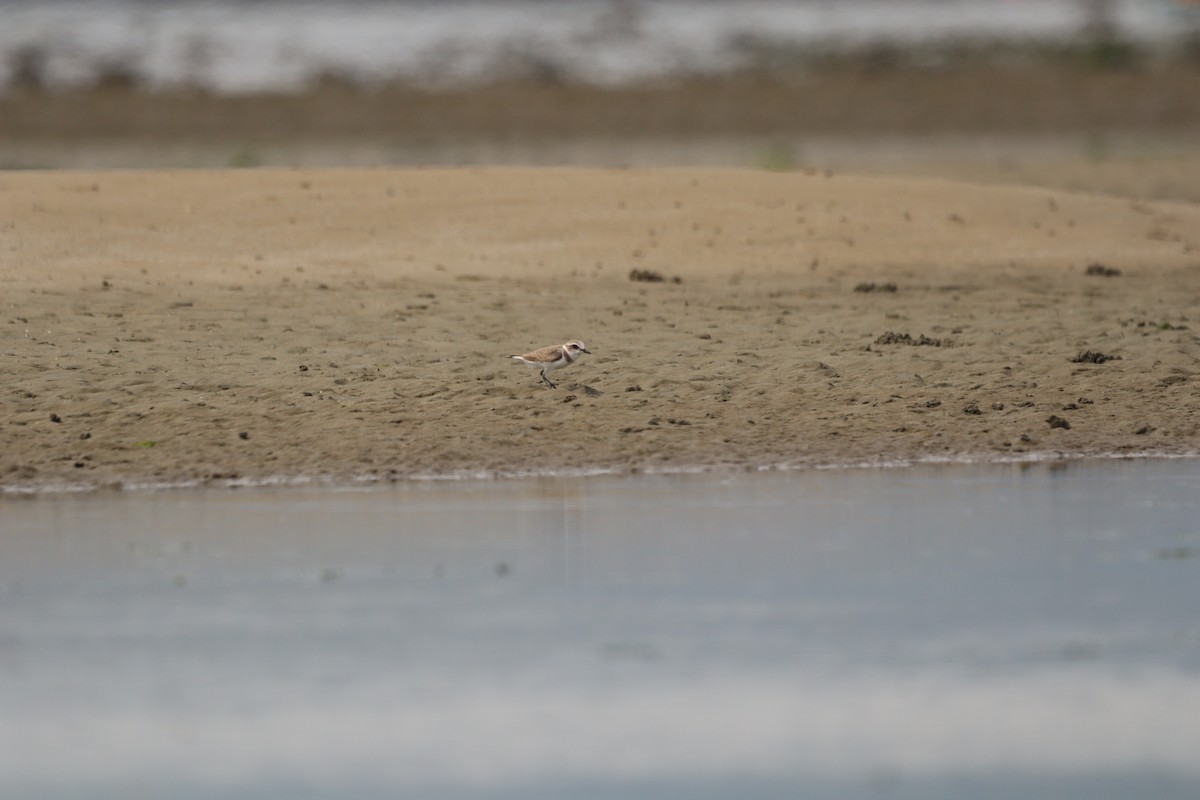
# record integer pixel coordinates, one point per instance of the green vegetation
(778, 157)
(246, 158)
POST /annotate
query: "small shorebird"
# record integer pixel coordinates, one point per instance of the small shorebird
(556, 356)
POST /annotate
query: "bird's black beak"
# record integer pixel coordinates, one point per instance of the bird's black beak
(585, 350)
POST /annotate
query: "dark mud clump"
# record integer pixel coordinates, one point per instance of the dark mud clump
(1056, 421)
(651, 276)
(1093, 357)
(871, 286)
(1102, 271)
(892, 337)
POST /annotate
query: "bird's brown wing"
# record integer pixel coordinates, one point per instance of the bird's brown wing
(545, 354)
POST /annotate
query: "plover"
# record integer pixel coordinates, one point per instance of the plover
(556, 356)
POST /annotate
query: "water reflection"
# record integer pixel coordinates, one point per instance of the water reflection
(995, 632)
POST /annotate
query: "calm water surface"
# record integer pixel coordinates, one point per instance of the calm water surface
(235, 46)
(929, 632)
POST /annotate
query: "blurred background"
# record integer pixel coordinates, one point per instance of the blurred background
(1099, 95)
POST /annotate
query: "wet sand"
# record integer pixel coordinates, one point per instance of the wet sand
(1022, 94)
(173, 327)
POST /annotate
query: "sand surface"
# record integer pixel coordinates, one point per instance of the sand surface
(206, 326)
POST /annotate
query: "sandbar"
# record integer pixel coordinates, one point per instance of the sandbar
(200, 327)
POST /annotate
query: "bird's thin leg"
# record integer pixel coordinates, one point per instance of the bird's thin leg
(547, 380)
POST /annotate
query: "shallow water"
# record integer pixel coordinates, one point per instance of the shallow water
(286, 45)
(1004, 631)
